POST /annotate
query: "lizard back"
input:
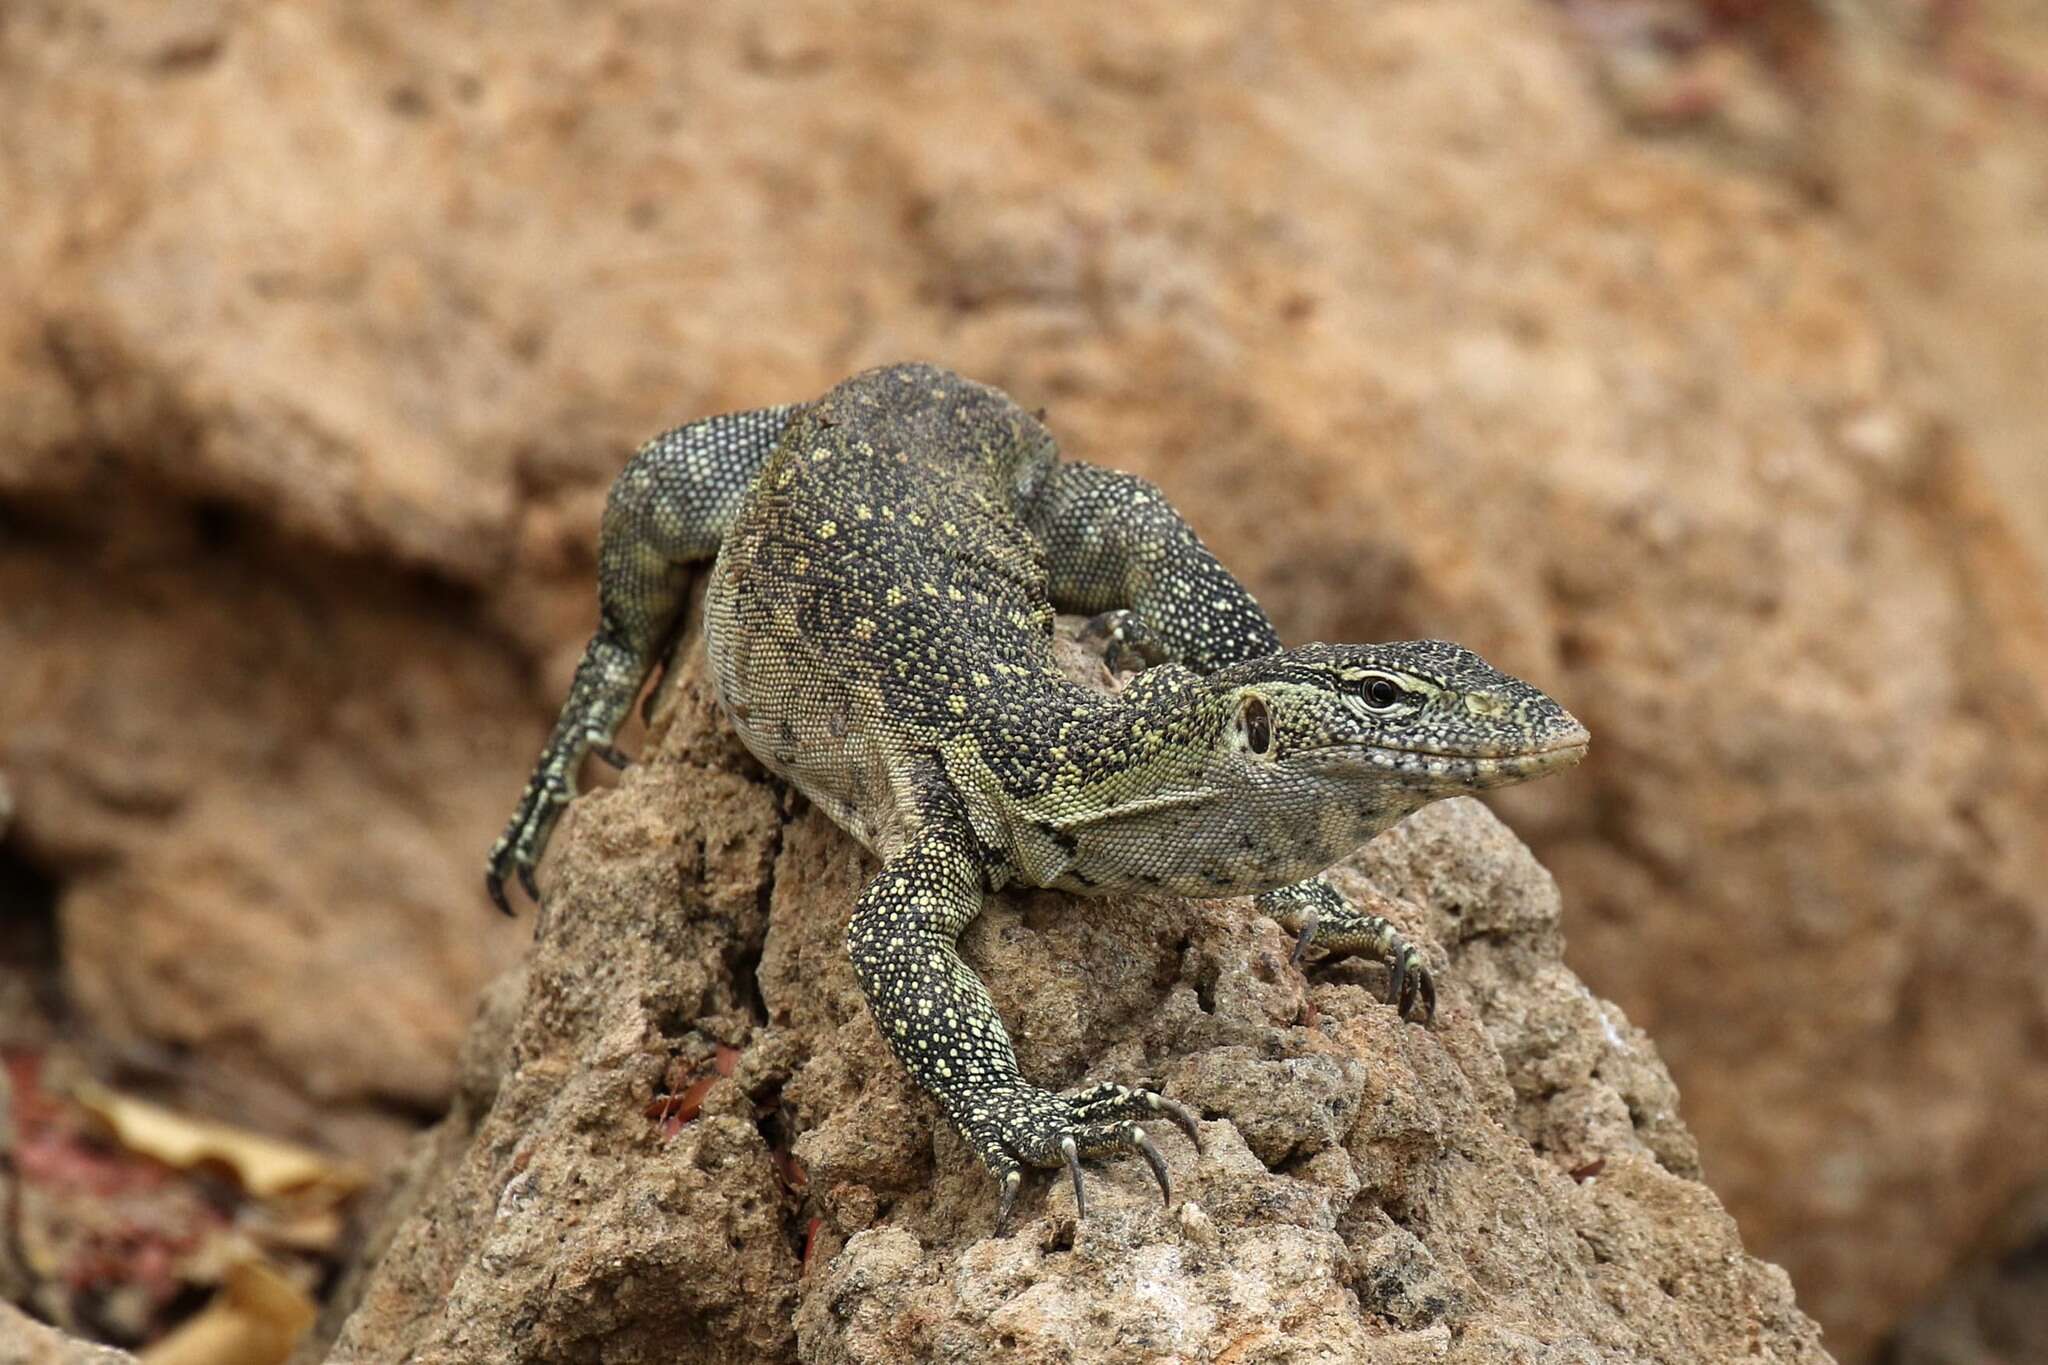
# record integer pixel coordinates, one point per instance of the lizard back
(878, 597)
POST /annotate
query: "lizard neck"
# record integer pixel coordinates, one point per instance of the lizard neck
(1145, 793)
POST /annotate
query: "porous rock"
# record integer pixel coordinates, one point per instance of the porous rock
(1511, 1183)
(24, 1341)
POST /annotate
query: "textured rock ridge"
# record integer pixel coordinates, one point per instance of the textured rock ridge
(1512, 1184)
(24, 1341)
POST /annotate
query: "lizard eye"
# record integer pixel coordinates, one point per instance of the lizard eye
(1258, 724)
(1381, 694)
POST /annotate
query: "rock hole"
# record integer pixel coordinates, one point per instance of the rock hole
(676, 1020)
(31, 948)
(1295, 1162)
(1399, 1213)
(407, 100)
(776, 1124)
(746, 973)
(2029, 1258)
(217, 524)
(190, 54)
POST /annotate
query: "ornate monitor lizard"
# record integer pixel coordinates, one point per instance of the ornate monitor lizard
(879, 622)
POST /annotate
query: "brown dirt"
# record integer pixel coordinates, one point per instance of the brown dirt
(320, 335)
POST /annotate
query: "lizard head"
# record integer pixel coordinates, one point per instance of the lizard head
(1299, 757)
(1398, 724)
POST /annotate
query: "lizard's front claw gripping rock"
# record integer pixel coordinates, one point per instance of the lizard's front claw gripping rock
(605, 684)
(1319, 917)
(878, 622)
(1019, 1125)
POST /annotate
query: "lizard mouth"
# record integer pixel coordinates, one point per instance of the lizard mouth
(1492, 766)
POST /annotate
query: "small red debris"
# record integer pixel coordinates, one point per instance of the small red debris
(810, 1241)
(671, 1112)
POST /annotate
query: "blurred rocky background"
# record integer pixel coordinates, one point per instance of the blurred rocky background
(1689, 357)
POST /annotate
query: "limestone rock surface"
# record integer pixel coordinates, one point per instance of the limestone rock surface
(24, 1341)
(678, 1135)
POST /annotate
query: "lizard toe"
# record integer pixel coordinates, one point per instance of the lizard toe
(1095, 1103)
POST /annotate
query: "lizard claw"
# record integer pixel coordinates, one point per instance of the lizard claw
(1427, 983)
(520, 846)
(1073, 1159)
(1128, 644)
(1182, 1118)
(1012, 1182)
(1150, 1151)
(1303, 939)
(612, 755)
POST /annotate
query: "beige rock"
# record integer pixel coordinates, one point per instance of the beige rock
(321, 331)
(1514, 1179)
(255, 779)
(1995, 1308)
(24, 1341)
(1932, 138)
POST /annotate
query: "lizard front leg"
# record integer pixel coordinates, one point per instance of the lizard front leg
(669, 507)
(1317, 913)
(937, 1017)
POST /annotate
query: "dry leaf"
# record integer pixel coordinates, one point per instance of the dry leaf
(266, 1167)
(256, 1319)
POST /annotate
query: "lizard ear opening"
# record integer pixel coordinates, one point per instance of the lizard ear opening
(1257, 722)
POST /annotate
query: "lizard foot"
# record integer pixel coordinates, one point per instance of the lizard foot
(1022, 1125)
(1320, 917)
(518, 849)
(1128, 644)
(606, 681)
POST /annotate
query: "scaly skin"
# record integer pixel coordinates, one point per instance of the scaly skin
(879, 620)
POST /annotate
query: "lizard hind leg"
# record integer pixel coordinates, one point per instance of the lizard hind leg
(668, 508)
(1114, 545)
